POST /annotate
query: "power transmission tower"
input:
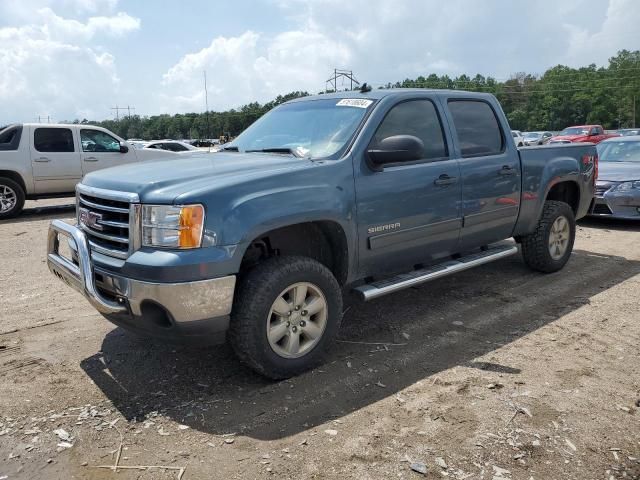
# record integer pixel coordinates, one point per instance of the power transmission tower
(346, 75)
(127, 108)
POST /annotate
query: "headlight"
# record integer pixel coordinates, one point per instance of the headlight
(628, 186)
(168, 226)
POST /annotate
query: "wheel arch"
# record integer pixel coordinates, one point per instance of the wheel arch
(567, 191)
(323, 240)
(16, 177)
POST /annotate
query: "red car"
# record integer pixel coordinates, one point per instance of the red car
(582, 133)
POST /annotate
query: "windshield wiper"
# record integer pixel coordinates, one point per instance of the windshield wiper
(230, 149)
(290, 151)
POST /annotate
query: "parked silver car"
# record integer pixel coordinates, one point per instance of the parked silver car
(618, 186)
(536, 138)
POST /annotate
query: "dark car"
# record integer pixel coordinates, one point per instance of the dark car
(618, 185)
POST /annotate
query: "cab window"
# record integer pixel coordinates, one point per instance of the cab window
(477, 126)
(53, 140)
(98, 141)
(418, 118)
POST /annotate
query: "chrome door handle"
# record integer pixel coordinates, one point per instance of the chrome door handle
(90, 159)
(506, 170)
(42, 159)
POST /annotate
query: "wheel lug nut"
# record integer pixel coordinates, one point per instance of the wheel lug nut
(304, 313)
(294, 329)
(303, 323)
(288, 324)
(297, 307)
(289, 313)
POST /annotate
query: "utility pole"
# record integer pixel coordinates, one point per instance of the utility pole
(345, 74)
(206, 106)
(634, 112)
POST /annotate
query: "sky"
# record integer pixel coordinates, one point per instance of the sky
(75, 59)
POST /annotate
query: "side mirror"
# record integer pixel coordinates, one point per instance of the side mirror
(397, 148)
(123, 148)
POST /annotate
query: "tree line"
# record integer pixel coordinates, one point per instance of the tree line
(560, 97)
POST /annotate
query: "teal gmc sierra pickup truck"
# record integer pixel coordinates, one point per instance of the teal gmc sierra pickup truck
(369, 191)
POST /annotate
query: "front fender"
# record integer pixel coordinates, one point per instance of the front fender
(240, 213)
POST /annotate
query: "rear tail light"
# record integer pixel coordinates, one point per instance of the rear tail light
(591, 160)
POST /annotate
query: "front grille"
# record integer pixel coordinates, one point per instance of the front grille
(105, 221)
(602, 188)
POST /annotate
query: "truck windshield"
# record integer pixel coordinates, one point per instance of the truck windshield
(574, 131)
(619, 152)
(311, 129)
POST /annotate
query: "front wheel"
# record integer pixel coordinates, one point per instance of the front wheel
(549, 247)
(285, 316)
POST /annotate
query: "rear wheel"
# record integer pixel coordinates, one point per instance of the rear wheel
(286, 314)
(11, 198)
(549, 247)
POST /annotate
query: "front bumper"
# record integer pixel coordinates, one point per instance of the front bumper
(172, 311)
(613, 204)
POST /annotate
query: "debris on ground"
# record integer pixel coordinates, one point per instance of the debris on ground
(441, 463)
(419, 467)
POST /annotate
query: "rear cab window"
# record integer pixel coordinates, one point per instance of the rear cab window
(477, 126)
(53, 140)
(10, 137)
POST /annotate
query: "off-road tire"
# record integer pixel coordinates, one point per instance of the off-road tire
(535, 246)
(20, 198)
(257, 290)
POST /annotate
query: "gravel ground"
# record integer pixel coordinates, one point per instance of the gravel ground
(496, 373)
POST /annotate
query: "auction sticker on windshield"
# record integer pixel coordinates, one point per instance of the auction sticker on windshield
(354, 102)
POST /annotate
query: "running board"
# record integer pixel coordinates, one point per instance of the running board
(416, 277)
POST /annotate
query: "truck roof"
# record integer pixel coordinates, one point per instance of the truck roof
(382, 93)
(66, 125)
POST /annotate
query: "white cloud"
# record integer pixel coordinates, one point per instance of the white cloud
(386, 40)
(251, 67)
(116, 25)
(619, 30)
(49, 67)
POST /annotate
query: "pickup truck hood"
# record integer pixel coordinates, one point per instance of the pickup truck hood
(163, 181)
(618, 171)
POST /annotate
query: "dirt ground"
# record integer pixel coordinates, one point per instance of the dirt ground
(496, 373)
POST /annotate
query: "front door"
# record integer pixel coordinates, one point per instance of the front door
(490, 171)
(408, 213)
(55, 160)
(101, 150)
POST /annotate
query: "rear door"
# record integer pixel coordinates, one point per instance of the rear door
(490, 168)
(55, 159)
(408, 213)
(102, 150)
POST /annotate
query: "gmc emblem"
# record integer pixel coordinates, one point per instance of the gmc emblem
(90, 219)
